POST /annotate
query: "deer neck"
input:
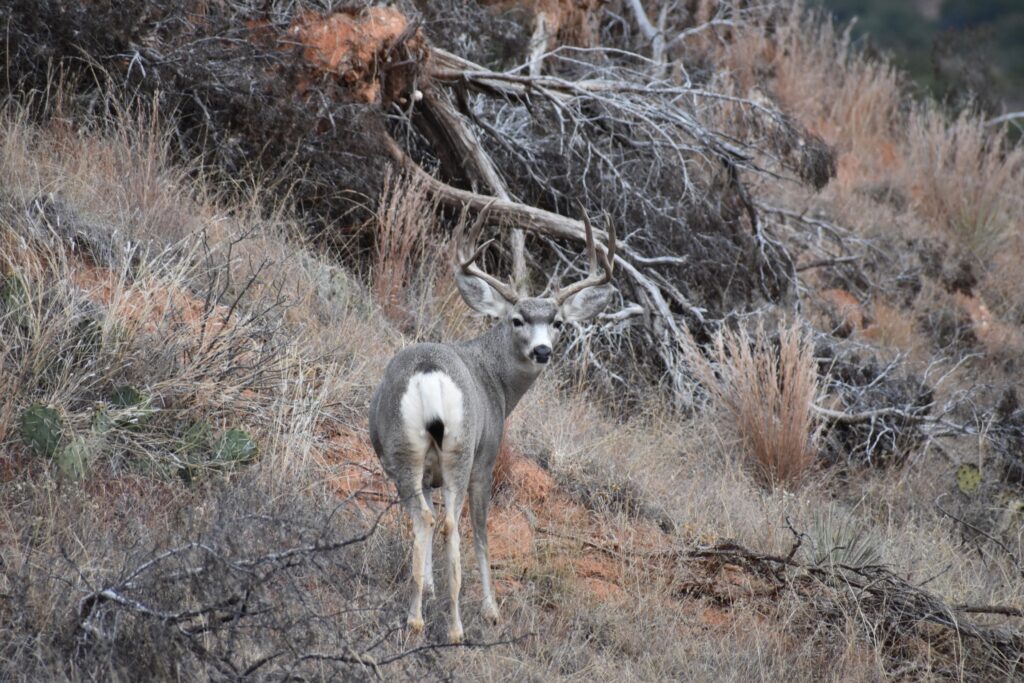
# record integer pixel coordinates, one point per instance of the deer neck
(502, 371)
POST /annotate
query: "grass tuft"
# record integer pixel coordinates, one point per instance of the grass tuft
(765, 389)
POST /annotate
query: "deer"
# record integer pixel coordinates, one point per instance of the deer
(438, 415)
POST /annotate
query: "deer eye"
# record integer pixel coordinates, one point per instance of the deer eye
(558, 324)
(517, 322)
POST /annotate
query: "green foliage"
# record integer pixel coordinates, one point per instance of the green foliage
(42, 429)
(838, 540)
(968, 478)
(132, 406)
(235, 446)
(967, 45)
(73, 458)
(102, 422)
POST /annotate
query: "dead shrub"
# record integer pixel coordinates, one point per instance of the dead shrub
(891, 328)
(963, 177)
(765, 389)
(405, 218)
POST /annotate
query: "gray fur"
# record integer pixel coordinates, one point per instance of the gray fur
(493, 372)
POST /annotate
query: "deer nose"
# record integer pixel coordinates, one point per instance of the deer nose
(542, 354)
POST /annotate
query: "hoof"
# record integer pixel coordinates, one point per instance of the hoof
(455, 634)
(415, 624)
(490, 614)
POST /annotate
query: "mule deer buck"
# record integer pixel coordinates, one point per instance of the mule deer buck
(438, 415)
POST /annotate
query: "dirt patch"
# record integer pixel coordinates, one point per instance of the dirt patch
(845, 314)
(354, 469)
(358, 48)
(530, 483)
(601, 590)
(509, 536)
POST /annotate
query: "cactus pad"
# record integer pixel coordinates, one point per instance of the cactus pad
(968, 478)
(73, 458)
(234, 446)
(126, 396)
(42, 429)
(133, 409)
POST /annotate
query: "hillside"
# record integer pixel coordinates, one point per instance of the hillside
(967, 53)
(791, 448)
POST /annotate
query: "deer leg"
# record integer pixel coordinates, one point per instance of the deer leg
(456, 474)
(428, 568)
(423, 531)
(453, 499)
(479, 501)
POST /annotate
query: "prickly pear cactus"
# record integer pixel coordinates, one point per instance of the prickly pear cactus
(234, 446)
(73, 458)
(195, 441)
(102, 422)
(968, 478)
(131, 406)
(126, 396)
(42, 429)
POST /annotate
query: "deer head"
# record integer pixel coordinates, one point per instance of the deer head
(532, 323)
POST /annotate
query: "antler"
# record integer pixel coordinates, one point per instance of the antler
(467, 263)
(606, 259)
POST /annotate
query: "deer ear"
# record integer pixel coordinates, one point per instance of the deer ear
(587, 303)
(481, 297)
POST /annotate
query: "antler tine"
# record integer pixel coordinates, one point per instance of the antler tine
(605, 258)
(467, 264)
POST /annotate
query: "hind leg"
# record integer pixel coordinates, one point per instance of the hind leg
(456, 478)
(428, 568)
(423, 531)
(479, 501)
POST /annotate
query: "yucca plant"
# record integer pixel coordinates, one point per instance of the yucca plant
(838, 540)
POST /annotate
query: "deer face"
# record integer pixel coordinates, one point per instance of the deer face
(535, 324)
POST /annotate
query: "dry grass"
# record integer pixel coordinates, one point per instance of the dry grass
(892, 328)
(814, 72)
(405, 223)
(106, 227)
(765, 391)
(964, 178)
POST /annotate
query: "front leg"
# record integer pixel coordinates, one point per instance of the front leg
(479, 502)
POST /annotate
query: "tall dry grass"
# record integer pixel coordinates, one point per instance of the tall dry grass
(405, 221)
(765, 390)
(132, 269)
(965, 178)
(808, 65)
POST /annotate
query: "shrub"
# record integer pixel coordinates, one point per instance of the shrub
(766, 391)
(404, 220)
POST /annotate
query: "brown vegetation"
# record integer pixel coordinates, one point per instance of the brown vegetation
(805, 523)
(766, 390)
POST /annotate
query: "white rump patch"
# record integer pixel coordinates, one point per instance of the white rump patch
(430, 396)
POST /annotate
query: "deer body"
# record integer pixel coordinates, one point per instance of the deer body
(438, 416)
